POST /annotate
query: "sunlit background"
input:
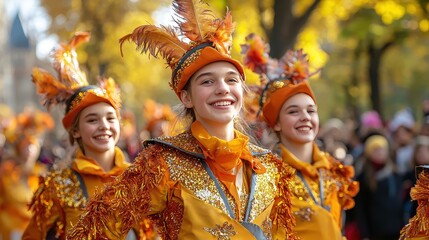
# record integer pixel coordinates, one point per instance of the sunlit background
(373, 53)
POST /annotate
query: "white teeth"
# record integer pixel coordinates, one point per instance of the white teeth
(104, 137)
(304, 128)
(223, 103)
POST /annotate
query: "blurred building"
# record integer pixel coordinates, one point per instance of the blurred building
(17, 57)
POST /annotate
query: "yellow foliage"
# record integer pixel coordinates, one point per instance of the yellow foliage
(389, 10)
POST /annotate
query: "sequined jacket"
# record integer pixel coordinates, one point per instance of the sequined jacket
(169, 184)
(321, 192)
(59, 201)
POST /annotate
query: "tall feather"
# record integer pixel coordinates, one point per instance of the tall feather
(157, 40)
(296, 66)
(112, 90)
(50, 90)
(255, 54)
(57, 90)
(194, 19)
(222, 36)
(66, 64)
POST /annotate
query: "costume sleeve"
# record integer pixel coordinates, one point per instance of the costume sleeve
(281, 214)
(141, 190)
(46, 212)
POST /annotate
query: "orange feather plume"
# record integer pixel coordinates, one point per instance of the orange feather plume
(66, 64)
(51, 90)
(112, 90)
(255, 52)
(296, 66)
(194, 20)
(221, 37)
(57, 90)
(157, 40)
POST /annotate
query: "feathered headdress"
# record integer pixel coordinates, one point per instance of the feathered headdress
(280, 79)
(29, 125)
(70, 88)
(154, 112)
(205, 39)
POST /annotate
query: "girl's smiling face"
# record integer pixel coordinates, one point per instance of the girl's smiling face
(298, 121)
(98, 128)
(215, 93)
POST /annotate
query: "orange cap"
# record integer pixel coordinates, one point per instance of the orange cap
(84, 97)
(197, 58)
(275, 100)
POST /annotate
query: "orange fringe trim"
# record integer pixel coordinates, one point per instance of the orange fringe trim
(125, 201)
(348, 188)
(283, 204)
(418, 225)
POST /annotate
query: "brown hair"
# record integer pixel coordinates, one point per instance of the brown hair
(74, 127)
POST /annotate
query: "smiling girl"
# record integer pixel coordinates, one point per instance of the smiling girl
(322, 187)
(208, 182)
(92, 121)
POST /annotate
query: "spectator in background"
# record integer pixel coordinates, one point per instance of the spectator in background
(371, 123)
(379, 201)
(402, 129)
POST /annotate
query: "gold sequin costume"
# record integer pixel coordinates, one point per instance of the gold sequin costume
(328, 180)
(60, 198)
(169, 184)
(418, 226)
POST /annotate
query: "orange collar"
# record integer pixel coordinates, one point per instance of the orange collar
(86, 165)
(320, 160)
(225, 155)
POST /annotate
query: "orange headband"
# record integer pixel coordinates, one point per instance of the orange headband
(278, 97)
(85, 97)
(197, 58)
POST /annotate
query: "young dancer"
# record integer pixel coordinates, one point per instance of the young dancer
(322, 187)
(208, 182)
(92, 121)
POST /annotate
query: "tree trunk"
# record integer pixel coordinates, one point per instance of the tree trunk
(375, 55)
(286, 26)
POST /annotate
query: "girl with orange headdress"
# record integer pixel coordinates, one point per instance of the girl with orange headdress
(20, 171)
(322, 187)
(92, 122)
(208, 182)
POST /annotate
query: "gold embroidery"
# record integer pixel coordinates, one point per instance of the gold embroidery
(190, 172)
(224, 232)
(305, 213)
(267, 226)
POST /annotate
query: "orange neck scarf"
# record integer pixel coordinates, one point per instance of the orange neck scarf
(320, 160)
(225, 157)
